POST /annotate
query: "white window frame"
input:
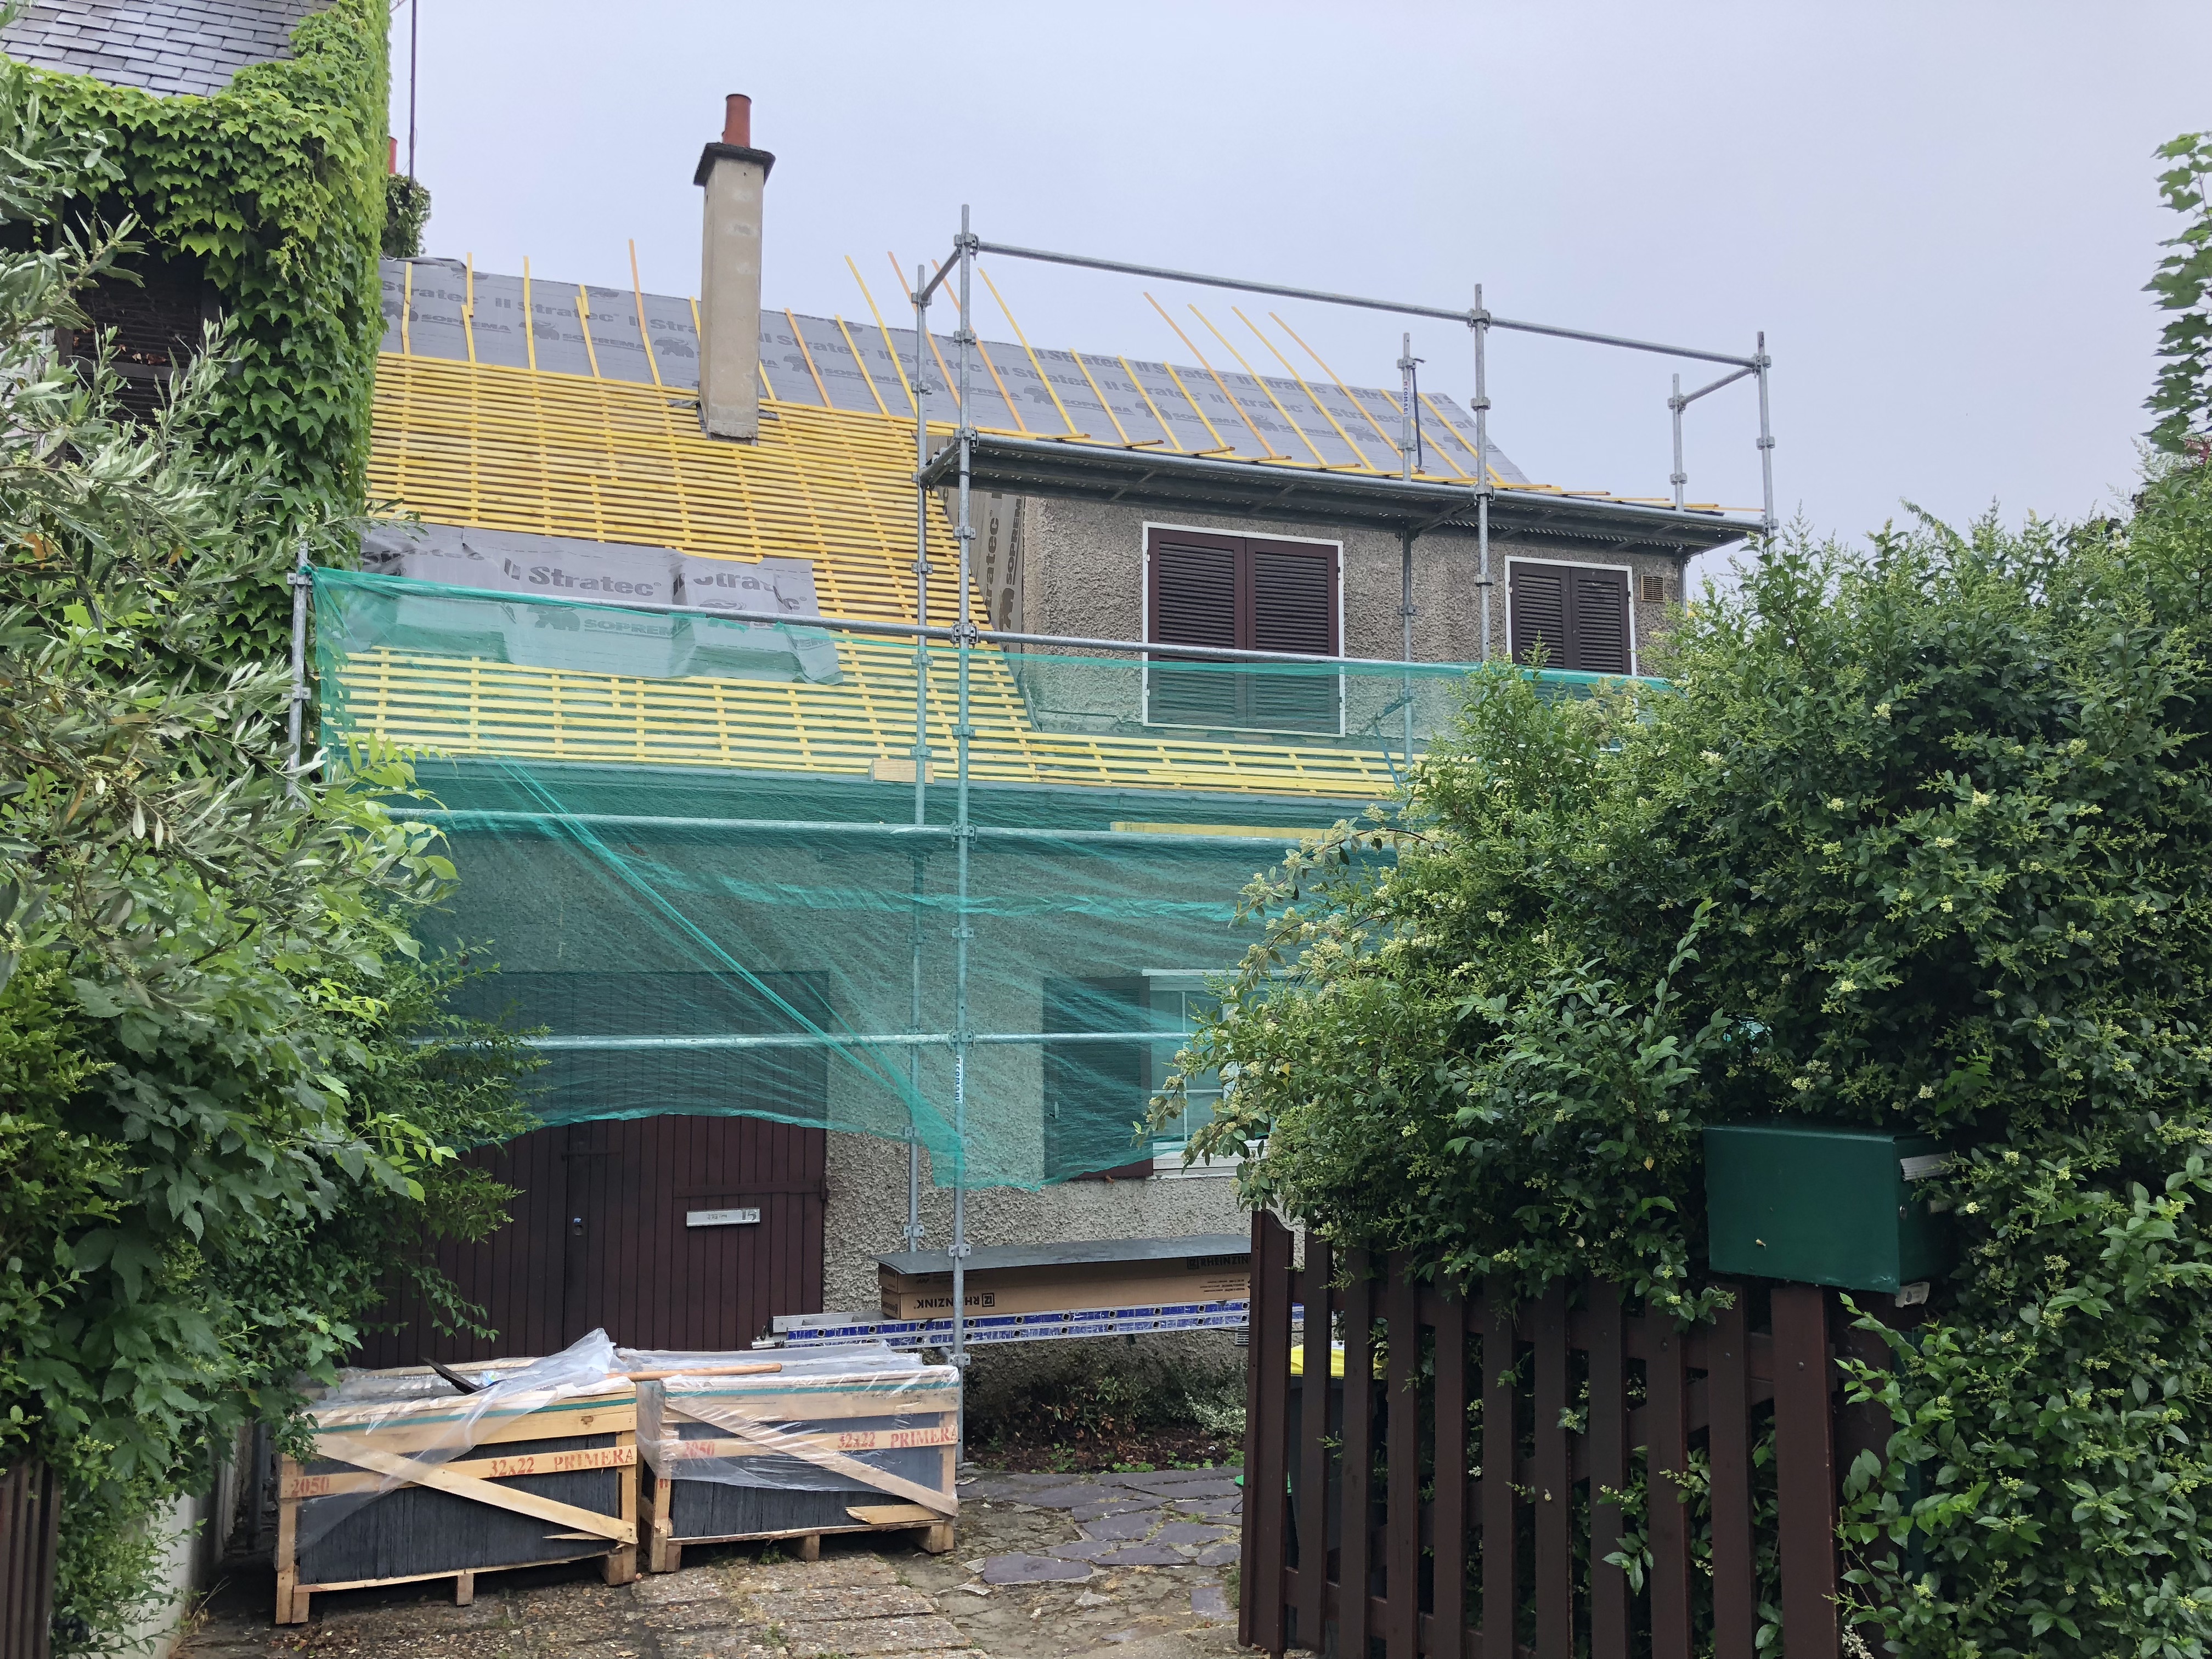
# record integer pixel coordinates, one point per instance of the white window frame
(1635, 645)
(1167, 1154)
(1144, 622)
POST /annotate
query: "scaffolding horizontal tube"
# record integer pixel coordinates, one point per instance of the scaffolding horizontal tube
(947, 636)
(469, 818)
(951, 263)
(1397, 306)
(1689, 397)
(844, 1039)
(1625, 341)
(1165, 274)
(1173, 653)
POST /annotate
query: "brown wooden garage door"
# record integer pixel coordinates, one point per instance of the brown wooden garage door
(599, 1238)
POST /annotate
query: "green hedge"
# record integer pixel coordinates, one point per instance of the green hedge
(1921, 838)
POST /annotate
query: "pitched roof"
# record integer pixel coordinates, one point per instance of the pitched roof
(614, 461)
(442, 308)
(164, 46)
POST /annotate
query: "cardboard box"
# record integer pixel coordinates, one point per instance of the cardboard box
(1107, 1274)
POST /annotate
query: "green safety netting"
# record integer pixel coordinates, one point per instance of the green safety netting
(692, 844)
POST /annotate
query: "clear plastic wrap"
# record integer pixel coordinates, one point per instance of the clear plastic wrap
(423, 1422)
(868, 1420)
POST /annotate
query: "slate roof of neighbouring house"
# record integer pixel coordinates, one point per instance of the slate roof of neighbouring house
(163, 46)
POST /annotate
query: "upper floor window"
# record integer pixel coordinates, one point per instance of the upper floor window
(1577, 612)
(1244, 594)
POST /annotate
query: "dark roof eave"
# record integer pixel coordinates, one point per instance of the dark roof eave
(1092, 472)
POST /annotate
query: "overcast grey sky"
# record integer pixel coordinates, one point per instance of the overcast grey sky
(1941, 214)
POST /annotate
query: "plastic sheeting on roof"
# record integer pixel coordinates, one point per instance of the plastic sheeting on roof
(440, 308)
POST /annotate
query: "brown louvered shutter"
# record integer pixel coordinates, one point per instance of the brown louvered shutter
(1600, 621)
(1579, 613)
(1293, 597)
(1195, 598)
(1248, 594)
(1539, 602)
(1293, 610)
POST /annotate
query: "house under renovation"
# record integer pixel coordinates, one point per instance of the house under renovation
(863, 907)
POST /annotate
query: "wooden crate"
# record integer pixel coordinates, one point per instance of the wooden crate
(893, 1436)
(546, 1480)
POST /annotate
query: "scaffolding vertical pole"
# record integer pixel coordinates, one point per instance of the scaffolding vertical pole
(1405, 536)
(1766, 438)
(1677, 477)
(1484, 582)
(913, 1233)
(295, 719)
(1406, 407)
(1406, 639)
(964, 833)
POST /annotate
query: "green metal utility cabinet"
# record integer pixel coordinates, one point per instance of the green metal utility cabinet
(1823, 1206)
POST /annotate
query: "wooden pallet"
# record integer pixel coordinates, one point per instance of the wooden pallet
(376, 1439)
(752, 1420)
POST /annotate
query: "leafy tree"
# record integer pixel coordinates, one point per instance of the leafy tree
(2183, 396)
(229, 1096)
(406, 211)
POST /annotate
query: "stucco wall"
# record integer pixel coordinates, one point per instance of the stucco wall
(1081, 572)
(866, 1211)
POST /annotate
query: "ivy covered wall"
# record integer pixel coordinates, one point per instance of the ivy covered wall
(275, 188)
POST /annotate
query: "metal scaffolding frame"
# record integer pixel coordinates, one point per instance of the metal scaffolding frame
(1408, 504)
(967, 247)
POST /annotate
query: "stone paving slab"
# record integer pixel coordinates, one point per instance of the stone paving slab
(1032, 1570)
(827, 1603)
(1132, 1524)
(1205, 1509)
(1145, 1555)
(1110, 1506)
(728, 1642)
(661, 1589)
(1190, 1492)
(1058, 1498)
(995, 1487)
(1166, 1480)
(872, 1637)
(1135, 1644)
(1190, 1532)
(688, 1615)
(845, 1566)
(1084, 1549)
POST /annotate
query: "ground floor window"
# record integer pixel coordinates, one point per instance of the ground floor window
(1096, 1091)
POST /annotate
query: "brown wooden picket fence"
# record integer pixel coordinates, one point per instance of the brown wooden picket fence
(1356, 1539)
(30, 1513)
